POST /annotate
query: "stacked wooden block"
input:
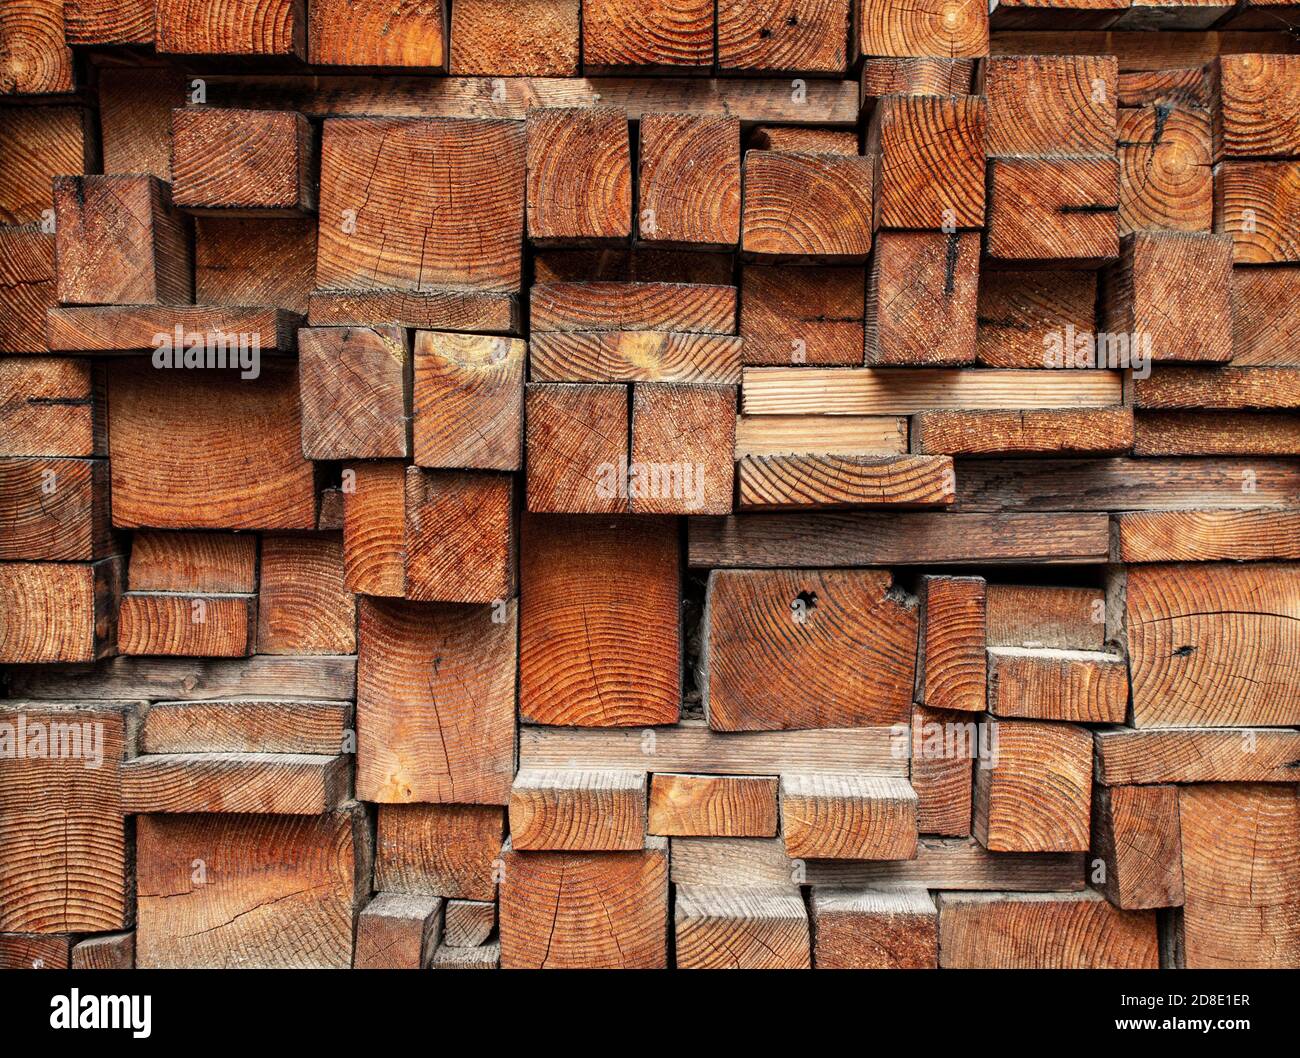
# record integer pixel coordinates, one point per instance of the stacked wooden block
(627, 485)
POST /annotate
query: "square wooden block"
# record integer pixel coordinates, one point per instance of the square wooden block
(243, 161)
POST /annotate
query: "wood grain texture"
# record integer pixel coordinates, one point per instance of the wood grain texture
(26, 186)
(585, 910)
(1265, 316)
(688, 180)
(198, 562)
(468, 401)
(468, 923)
(1135, 835)
(790, 649)
(1166, 181)
(1222, 388)
(696, 308)
(794, 481)
(355, 392)
(1216, 433)
(108, 951)
(64, 866)
(245, 783)
(34, 60)
(807, 36)
(108, 22)
(485, 957)
(579, 175)
(1044, 683)
(439, 850)
(1208, 644)
(208, 450)
(490, 312)
(873, 929)
(803, 315)
(1020, 314)
(1257, 106)
(1034, 794)
(929, 28)
(921, 299)
(391, 174)
(950, 666)
(1099, 431)
(460, 537)
(1240, 869)
(1043, 931)
(1127, 757)
(34, 951)
(731, 806)
(576, 439)
(243, 161)
(162, 623)
(289, 889)
(55, 509)
(378, 33)
(589, 587)
(58, 611)
(942, 745)
(248, 725)
(1207, 536)
(578, 811)
(437, 733)
(683, 440)
(231, 27)
(848, 817)
(1054, 208)
(1254, 203)
(214, 335)
(135, 117)
(635, 356)
(374, 529)
(52, 406)
(742, 928)
(665, 34)
(1051, 104)
(807, 205)
(1039, 616)
(509, 38)
(303, 605)
(396, 931)
(770, 435)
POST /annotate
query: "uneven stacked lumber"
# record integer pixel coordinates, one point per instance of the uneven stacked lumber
(584, 483)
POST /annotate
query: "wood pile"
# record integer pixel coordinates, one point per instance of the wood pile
(629, 483)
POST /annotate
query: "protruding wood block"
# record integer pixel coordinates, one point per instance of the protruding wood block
(27, 174)
(950, 666)
(579, 175)
(304, 606)
(1022, 316)
(374, 528)
(468, 923)
(807, 36)
(741, 928)
(713, 806)
(510, 38)
(1206, 536)
(208, 449)
(194, 562)
(34, 58)
(435, 703)
(784, 482)
(261, 783)
(1256, 106)
(1034, 794)
(789, 649)
(64, 860)
(1051, 104)
(1183, 626)
(1172, 291)
(807, 205)
(802, 315)
(921, 298)
(34, 951)
(805, 139)
(491, 312)
(108, 951)
(1195, 755)
(226, 891)
(621, 34)
(27, 288)
(914, 75)
(1266, 316)
(943, 745)
(577, 446)
(1096, 431)
(384, 228)
(1255, 203)
(469, 401)
(928, 28)
(55, 509)
(1166, 182)
(848, 817)
(874, 929)
(210, 337)
(1135, 836)
(1216, 433)
(354, 384)
(1054, 208)
(52, 406)
(915, 185)
(243, 161)
(1224, 388)
(1241, 870)
(1041, 617)
(585, 910)
(689, 180)
(590, 586)
(578, 811)
(460, 536)
(683, 438)
(58, 611)
(119, 240)
(1057, 931)
(484, 957)
(218, 626)
(221, 27)
(247, 725)
(1043, 683)
(635, 356)
(254, 261)
(379, 33)
(439, 850)
(398, 931)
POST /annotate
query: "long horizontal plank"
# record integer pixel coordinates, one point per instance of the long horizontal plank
(279, 783)
(822, 102)
(834, 435)
(987, 485)
(941, 863)
(1196, 754)
(1206, 536)
(691, 747)
(634, 356)
(857, 538)
(1138, 49)
(128, 328)
(332, 676)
